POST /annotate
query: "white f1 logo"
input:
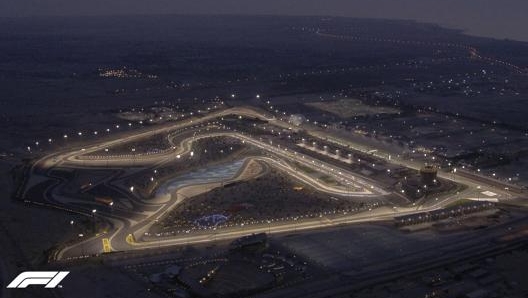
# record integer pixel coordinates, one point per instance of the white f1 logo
(49, 278)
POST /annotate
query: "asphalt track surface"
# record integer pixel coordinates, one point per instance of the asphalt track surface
(128, 227)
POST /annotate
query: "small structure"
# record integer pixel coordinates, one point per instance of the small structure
(253, 240)
(105, 200)
(428, 175)
(297, 119)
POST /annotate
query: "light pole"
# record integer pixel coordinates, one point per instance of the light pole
(71, 224)
(82, 245)
(93, 215)
(158, 237)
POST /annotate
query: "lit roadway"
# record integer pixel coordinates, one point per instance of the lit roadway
(283, 159)
(126, 226)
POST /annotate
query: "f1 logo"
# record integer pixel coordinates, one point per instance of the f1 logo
(49, 278)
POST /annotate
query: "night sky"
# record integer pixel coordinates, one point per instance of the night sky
(496, 18)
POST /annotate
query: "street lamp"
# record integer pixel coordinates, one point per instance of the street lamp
(93, 214)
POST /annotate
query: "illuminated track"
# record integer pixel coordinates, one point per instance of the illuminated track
(128, 229)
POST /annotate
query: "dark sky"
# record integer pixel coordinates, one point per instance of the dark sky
(496, 18)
